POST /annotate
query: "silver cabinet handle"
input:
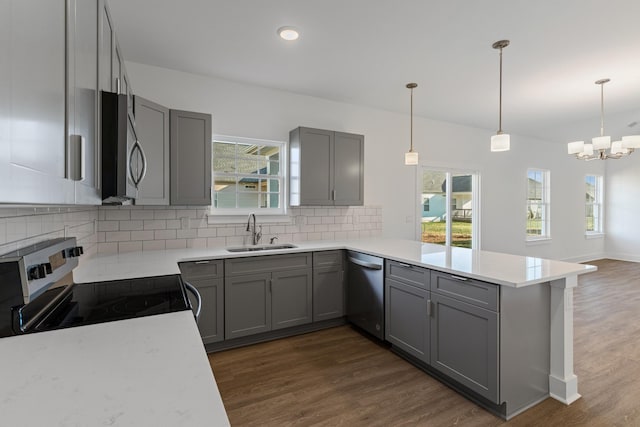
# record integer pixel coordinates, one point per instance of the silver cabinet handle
(270, 285)
(202, 262)
(333, 194)
(196, 294)
(402, 264)
(462, 279)
(428, 308)
(369, 265)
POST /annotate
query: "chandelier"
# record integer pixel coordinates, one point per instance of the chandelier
(600, 144)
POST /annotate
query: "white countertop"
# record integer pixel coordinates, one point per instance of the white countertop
(502, 269)
(149, 371)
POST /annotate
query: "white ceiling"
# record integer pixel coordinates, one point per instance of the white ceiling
(365, 51)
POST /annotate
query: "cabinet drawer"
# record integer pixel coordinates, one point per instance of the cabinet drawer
(266, 263)
(406, 273)
(328, 258)
(480, 294)
(209, 269)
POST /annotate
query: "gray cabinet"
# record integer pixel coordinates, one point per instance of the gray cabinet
(152, 129)
(190, 143)
(265, 293)
(328, 285)
(326, 167)
(408, 309)
(33, 166)
(208, 278)
(464, 335)
(82, 107)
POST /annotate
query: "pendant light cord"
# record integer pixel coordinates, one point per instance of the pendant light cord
(500, 107)
(602, 109)
(411, 137)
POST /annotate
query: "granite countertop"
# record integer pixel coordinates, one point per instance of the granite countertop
(499, 268)
(148, 371)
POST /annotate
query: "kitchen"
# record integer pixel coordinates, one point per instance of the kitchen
(255, 111)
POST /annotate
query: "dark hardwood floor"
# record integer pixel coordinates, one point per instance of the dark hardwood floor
(337, 377)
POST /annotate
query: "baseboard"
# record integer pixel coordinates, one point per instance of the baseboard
(587, 258)
(623, 257)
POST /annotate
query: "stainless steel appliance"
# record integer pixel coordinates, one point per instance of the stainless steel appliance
(365, 292)
(124, 164)
(37, 292)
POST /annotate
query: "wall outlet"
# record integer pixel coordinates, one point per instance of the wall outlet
(185, 223)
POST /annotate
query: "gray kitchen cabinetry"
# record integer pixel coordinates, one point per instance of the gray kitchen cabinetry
(33, 143)
(152, 129)
(190, 142)
(326, 168)
(207, 277)
(83, 39)
(328, 285)
(465, 331)
(408, 309)
(266, 293)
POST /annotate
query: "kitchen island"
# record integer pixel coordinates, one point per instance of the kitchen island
(505, 271)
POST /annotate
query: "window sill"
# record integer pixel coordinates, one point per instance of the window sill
(538, 241)
(594, 236)
(242, 219)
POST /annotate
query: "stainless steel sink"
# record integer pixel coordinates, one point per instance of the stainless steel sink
(261, 248)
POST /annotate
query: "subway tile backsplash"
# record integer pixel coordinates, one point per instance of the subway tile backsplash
(135, 228)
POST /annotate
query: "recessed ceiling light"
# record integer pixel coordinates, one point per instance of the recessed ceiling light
(288, 33)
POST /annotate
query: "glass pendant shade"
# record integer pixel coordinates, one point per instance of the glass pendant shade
(575, 147)
(411, 158)
(631, 141)
(588, 150)
(616, 148)
(601, 142)
(500, 142)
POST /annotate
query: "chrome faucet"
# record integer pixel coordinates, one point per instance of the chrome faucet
(255, 236)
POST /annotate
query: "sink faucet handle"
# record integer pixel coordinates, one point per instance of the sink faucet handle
(273, 239)
(259, 235)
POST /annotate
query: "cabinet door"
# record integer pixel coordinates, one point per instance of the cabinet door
(82, 73)
(328, 293)
(407, 318)
(106, 48)
(247, 303)
(32, 152)
(190, 143)
(464, 344)
(211, 323)
(152, 129)
(349, 169)
(291, 298)
(316, 167)
(118, 64)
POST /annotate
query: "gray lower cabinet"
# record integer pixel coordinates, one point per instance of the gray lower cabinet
(207, 276)
(190, 142)
(407, 318)
(464, 344)
(265, 293)
(328, 285)
(247, 302)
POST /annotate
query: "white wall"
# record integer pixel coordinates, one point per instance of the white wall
(257, 112)
(622, 212)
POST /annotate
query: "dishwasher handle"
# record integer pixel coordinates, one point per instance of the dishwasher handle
(196, 294)
(365, 264)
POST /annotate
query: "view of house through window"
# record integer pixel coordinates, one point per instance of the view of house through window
(447, 201)
(593, 204)
(247, 176)
(538, 204)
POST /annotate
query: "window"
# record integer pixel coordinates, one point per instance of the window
(538, 206)
(248, 176)
(593, 204)
(449, 201)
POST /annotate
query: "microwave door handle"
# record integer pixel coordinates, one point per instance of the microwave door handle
(196, 294)
(136, 179)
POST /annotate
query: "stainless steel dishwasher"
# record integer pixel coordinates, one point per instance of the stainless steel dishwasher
(365, 292)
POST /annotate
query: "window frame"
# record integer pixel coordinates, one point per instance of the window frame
(228, 214)
(599, 202)
(545, 203)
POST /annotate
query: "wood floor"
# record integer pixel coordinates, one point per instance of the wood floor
(337, 377)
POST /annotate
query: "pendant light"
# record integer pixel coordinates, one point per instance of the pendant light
(600, 144)
(411, 157)
(500, 141)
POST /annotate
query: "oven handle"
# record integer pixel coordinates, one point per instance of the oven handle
(196, 294)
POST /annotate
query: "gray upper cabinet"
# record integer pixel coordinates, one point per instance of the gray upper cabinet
(105, 50)
(190, 143)
(82, 112)
(33, 164)
(326, 168)
(152, 129)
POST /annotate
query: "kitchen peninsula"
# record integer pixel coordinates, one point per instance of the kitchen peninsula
(513, 276)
